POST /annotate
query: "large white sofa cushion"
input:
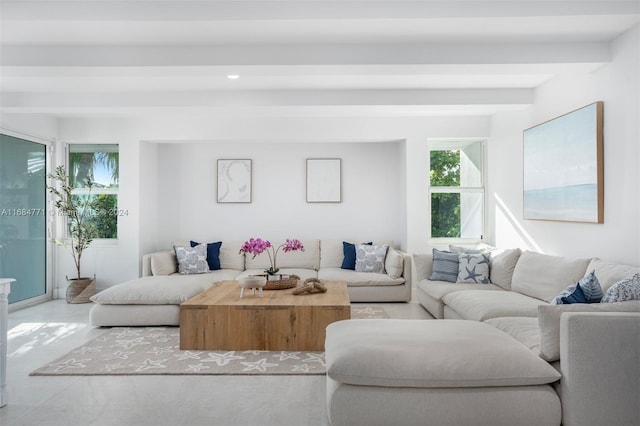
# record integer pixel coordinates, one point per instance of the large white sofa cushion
(524, 330)
(307, 259)
(549, 322)
(543, 276)
(481, 305)
(158, 290)
(439, 289)
(501, 266)
(609, 273)
(358, 279)
(430, 354)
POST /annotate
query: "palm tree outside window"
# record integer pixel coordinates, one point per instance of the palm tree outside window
(98, 163)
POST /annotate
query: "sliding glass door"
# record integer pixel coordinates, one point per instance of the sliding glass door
(23, 217)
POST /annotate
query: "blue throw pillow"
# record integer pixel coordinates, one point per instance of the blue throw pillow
(349, 251)
(445, 266)
(576, 297)
(587, 289)
(213, 254)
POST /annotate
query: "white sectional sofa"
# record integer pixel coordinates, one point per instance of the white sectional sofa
(490, 357)
(154, 298)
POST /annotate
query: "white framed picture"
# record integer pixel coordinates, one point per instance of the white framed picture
(234, 181)
(324, 180)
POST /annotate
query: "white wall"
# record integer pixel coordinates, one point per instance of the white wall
(618, 239)
(372, 206)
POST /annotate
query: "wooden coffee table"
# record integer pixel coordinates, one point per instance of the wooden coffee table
(218, 319)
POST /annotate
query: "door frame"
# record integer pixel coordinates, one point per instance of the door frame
(49, 222)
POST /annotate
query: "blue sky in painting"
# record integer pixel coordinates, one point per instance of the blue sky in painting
(562, 152)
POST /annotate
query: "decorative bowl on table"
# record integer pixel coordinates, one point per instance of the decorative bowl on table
(252, 282)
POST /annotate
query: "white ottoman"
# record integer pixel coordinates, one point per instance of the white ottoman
(444, 372)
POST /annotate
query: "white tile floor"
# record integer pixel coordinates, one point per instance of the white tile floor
(41, 333)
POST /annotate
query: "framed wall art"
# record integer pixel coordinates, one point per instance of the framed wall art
(563, 167)
(234, 181)
(324, 180)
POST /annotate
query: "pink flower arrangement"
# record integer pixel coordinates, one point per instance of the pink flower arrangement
(256, 246)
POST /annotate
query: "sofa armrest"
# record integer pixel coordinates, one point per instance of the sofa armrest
(424, 266)
(599, 355)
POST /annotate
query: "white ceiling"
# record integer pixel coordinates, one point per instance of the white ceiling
(296, 58)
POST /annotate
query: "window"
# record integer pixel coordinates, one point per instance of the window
(100, 165)
(456, 189)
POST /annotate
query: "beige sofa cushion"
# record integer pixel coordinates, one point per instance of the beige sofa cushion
(524, 330)
(439, 289)
(549, 322)
(394, 263)
(307, 259)
(481, 305)
(501, 266)
(164, 263)
(158, 290)
(543, 276)
(609, 273)
(430, 354)
(358, 279)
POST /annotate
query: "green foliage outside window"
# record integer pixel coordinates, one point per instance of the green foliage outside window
(445, 207)
(100, 165)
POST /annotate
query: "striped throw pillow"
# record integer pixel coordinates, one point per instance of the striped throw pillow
(445, 266)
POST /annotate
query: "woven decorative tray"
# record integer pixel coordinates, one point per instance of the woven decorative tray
(282, 283)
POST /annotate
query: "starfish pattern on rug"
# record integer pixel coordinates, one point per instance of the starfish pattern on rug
(284, 355)
(222, 359)
(197, 367)
(149, 363)
(70, 363)
(188, 355)
(118, 355)
(260, 365)
(130, 343)
(156, 351)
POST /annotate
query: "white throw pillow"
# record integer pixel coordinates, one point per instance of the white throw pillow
(164, 263)
(394, 263)
(370, 258)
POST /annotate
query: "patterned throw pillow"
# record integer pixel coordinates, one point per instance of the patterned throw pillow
(349, 251)
(370, 258)
(587, 290)
(627, 289)
(213, 254)
(445, 266)
(192, 260)
(473, 268)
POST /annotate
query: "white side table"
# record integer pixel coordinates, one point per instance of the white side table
(5, 288)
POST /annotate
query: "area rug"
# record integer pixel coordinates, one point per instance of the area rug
(156, 351)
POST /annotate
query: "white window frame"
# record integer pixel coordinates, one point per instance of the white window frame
(455, 144)
(94, 191)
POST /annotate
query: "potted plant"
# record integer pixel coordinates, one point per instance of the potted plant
(81, 231)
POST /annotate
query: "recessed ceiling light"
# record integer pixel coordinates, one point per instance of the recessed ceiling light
(233, 76)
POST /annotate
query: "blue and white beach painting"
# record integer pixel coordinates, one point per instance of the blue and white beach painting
(561, 168)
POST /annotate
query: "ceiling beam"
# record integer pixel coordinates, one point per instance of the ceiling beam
(162, 10)
(311, 54)
(270, 98)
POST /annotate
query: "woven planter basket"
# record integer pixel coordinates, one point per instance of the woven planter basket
(80, 290)
(282, 283)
